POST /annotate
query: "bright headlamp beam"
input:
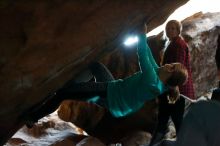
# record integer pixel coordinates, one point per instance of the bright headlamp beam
(131, 41)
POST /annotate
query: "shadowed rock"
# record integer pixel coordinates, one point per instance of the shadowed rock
(45, 43)
(202, 40)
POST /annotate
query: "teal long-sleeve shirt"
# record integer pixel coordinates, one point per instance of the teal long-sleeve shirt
(125, 96)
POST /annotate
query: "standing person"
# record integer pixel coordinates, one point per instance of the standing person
(123, 96)
(201, 125)
(176, 51)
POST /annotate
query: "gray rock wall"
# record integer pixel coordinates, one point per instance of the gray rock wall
(201, 32)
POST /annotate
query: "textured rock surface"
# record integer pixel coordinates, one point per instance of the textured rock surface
(49, 130)
(202, 44)
(202, 41)
(45, 43)
(201, 32)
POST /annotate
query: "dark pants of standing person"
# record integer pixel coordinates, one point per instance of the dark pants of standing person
(74, 91)
(165, 111)
(201, 125)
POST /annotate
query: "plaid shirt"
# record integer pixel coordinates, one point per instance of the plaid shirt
(178, 51)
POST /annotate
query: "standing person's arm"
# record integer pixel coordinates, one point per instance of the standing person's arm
(179, 54)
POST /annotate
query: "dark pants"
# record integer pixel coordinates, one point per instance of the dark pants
(201, 125)
(75, 91)
(166, 110)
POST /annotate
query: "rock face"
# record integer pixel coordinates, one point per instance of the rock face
(36, 59)
(202, 41)
(201, 33)
(45, 43)
(50, 130)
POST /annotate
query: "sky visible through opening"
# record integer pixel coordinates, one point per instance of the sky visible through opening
(190, 8)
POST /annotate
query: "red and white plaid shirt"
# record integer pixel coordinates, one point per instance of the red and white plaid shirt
(178, 51)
